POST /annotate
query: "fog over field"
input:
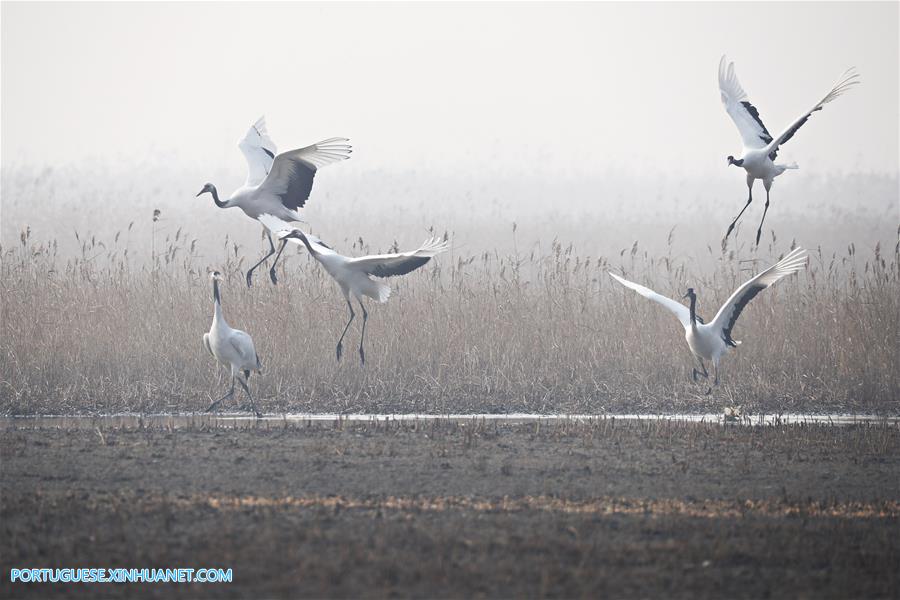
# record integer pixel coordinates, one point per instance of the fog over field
(593, 124)
(600, 214)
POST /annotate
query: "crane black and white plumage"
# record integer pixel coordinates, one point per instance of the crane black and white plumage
(278, 185)
(355, 275)
(709, 341)
(233, 348)
(760, 149)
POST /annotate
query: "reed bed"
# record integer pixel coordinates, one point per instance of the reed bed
(532, 331)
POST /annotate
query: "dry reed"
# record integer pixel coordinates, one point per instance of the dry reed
(486, 333)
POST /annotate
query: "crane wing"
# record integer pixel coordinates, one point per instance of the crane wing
(676, 308)
(292, 174)
(745, 116)
(243, 345)
(389, 265)
(206, 345)
(259, 150)
(725, 319)
(847, 80)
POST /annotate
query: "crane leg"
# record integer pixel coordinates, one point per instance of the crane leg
(362, 337)
(716, 368)
(733, 223)
(697, 373)
(346, 327)
(263, 259)
(249, 395)
(765, 210)
(277, 256)
(228, 395)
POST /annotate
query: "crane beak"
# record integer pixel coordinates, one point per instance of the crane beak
(199, 193)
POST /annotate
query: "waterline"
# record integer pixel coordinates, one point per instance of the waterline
(190, 420)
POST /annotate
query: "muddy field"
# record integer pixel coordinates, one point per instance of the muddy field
(461, 509)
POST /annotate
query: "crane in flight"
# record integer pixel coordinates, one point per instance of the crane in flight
(760, 149)
(277, 185)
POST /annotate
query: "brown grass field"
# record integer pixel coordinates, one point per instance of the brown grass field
(545, 333)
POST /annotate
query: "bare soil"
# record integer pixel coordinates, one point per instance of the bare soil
(460, 509)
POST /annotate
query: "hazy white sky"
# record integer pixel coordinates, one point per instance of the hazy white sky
(518, 87)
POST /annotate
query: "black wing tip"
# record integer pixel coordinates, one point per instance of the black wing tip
(755, 114)
(749, 294)
(407, 266)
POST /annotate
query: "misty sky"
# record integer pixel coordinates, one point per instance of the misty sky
(535, 88)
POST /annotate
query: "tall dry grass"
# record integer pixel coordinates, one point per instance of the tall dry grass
(522, 331)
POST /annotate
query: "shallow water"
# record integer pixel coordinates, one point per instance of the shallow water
(182, 420)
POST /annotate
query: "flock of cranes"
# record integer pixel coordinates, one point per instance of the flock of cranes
(278, 186)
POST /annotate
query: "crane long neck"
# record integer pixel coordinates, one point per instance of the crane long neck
(217, 302)
(693, 310)
(306, 243)
(215, 195)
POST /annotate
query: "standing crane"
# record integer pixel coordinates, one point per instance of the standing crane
(233, 348)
